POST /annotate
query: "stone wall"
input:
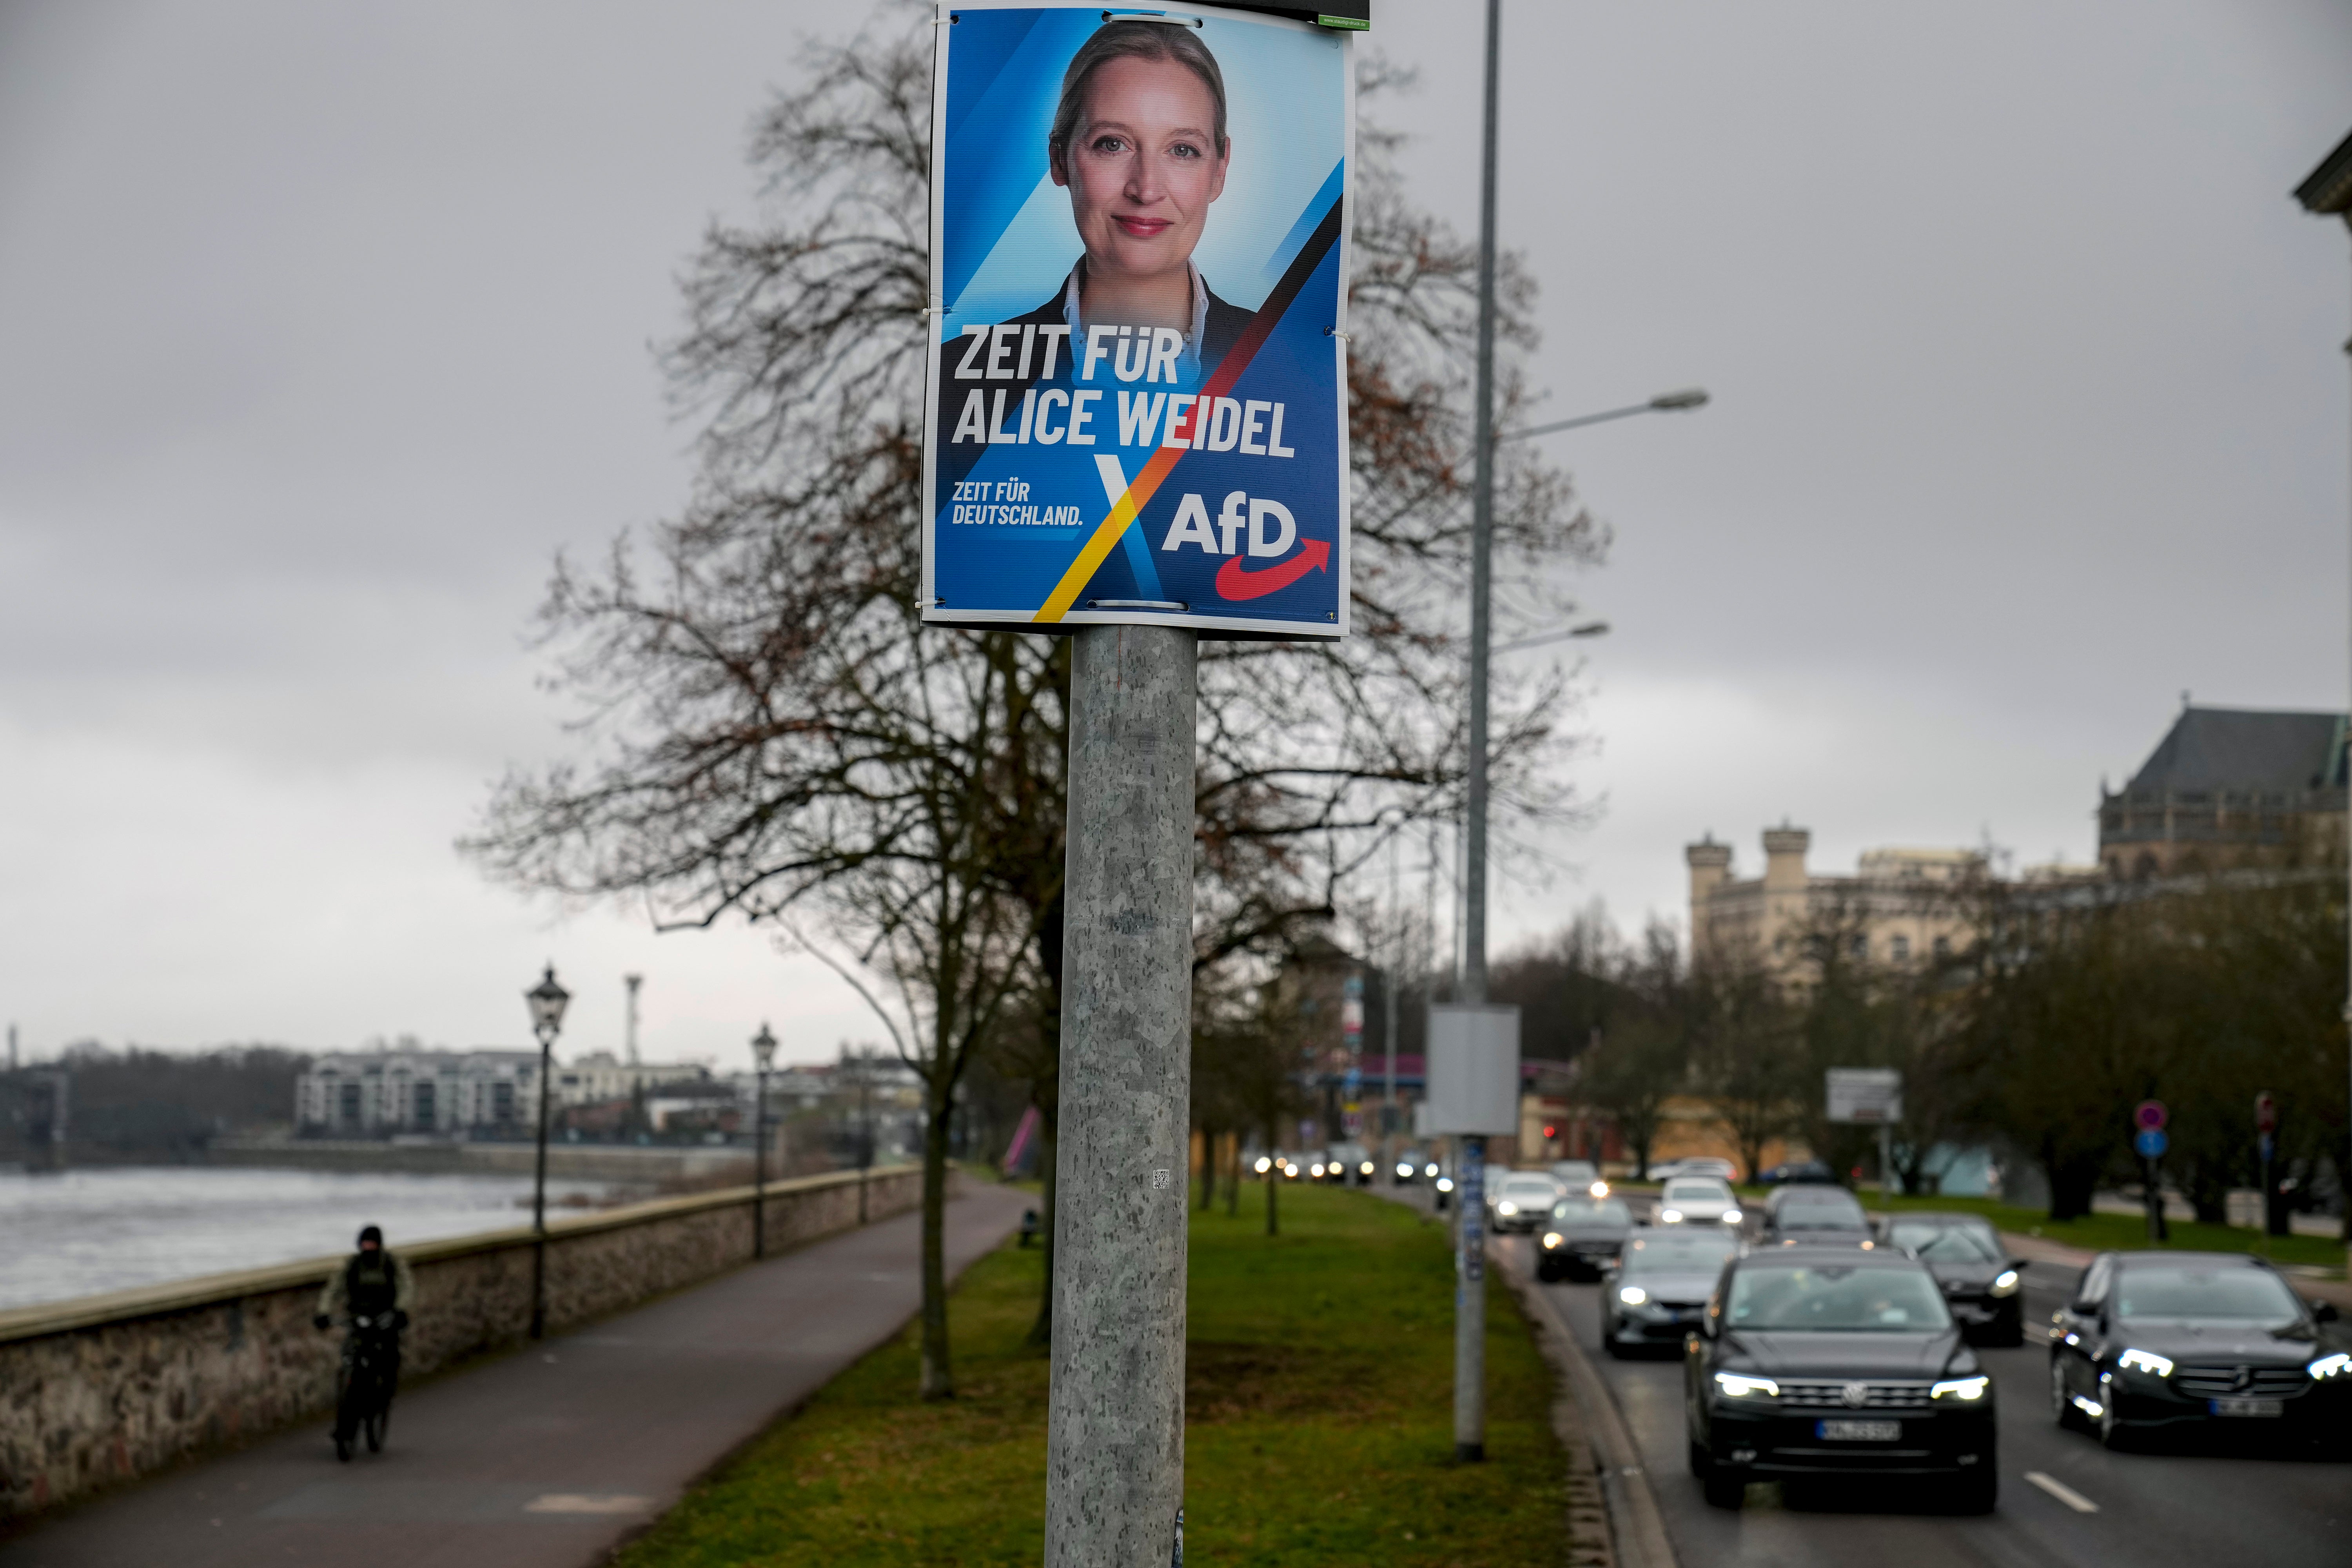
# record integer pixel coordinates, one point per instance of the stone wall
(103, 1389)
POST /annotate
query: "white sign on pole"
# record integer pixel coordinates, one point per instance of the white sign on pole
(1473, 1069)
(1422, 1127)
(1871, 1095)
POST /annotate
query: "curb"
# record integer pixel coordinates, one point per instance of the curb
(1636, 1524)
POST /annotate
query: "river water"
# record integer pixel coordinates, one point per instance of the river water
(83, 1231)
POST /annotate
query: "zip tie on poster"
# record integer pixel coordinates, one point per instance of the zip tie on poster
(1173, 18)
(929, 311)
(1335, 332)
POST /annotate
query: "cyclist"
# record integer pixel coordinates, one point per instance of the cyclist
(372, 1291)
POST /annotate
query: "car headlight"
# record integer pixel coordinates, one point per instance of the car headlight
(1365, 1169)
(1404, 1169)
(1507, 1207)
(1731, 1217)
(1734, 1386)
(1966, 1389)
(1264, 1164)
(1552, 1238)
(2004, 1283)
(1444, 1183)
(2145, 1361)
(1670, 1216)
(2337, 1366)
(1430, 1169)
(1633, 1295)
(1599, 1189)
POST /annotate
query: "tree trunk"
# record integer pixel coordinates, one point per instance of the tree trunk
(938, 1380)
(1041, 1333)
(1273, 1180)
(1208, 1167)
(1234, 1181)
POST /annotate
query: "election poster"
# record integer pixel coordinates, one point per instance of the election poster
(1136, 407)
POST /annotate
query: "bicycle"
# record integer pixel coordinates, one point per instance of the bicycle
(366, 1383)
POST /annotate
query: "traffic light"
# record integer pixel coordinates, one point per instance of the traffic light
(1551, 1131)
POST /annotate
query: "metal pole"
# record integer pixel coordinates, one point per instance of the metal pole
(1115, 1441)
(1470, 1292)
(759, 1168)
(1389, 1020)
(539, 1194)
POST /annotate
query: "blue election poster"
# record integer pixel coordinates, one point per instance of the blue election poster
(1137, 404)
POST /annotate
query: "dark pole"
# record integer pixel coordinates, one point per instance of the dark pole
(865, 1140)
(547, 1001)
(759, 1169)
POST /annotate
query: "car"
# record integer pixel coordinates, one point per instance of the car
(1409, 1171)
(1798, 1171)
(1723, 1171)
(1582, 1237)
(1816, 1362)
(1659, 1287)
(2166, 1340)
(1983, 1286)
(1520, 1201)
(1815, 1215)
(1698, 1200)
(1575, 1176)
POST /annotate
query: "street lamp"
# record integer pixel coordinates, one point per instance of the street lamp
(547, 1000)
(763, 1057)
(1665, 402)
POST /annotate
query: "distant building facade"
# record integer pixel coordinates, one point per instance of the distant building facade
(1899, 907)
(600, 1077)
(361, 1094)
(2227, 787)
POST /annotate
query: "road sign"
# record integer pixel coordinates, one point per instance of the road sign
(1092, 459)
(2151, 1142)
(1871, 1095)
(2265, 1112)
(1474, 1069)
(2149, 1114)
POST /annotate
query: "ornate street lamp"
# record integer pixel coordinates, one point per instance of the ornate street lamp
(763, 1057)
(547, 1000)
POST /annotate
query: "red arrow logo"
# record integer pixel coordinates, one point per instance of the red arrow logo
(1232, 583)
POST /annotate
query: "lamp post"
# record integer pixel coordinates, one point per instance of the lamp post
(763, 1057)
(547, 1000)
(2326, 192)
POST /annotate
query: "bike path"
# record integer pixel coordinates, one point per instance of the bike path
(547, 1458)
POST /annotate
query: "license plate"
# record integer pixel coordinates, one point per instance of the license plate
(2247, 1407)
(1858, 1431)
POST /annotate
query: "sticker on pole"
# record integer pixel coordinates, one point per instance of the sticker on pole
(1136, 409)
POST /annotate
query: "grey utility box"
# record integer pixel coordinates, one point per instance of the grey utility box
(1473, 1069)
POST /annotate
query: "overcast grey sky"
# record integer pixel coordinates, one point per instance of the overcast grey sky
(322, 328)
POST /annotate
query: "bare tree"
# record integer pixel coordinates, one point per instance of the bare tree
(771, 734)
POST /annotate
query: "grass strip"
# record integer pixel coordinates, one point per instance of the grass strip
(2101, 1232)
(1318, 1420)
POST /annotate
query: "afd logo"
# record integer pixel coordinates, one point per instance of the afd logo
(1271, 533)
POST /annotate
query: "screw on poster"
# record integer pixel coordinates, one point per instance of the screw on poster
(1136, 397)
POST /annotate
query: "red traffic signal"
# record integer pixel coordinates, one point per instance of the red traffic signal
(1551, 1131)
(2265, 1112)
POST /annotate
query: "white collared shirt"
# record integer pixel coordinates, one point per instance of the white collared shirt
(1188, 364)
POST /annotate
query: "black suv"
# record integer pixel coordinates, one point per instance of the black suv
(1814, 1215)
(1832, 1361)
(2159, 1340)
(1583, 1238)
(1983, 1286)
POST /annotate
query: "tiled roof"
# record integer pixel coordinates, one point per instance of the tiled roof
(2244, 748)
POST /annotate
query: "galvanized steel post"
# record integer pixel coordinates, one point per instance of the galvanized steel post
(1115, 1442)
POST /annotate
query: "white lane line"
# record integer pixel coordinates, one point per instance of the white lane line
(2062, 1492)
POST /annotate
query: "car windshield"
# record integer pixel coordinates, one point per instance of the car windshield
(1946, 1243)
(1703, 1249)
(1698, 1193)
(1528, 1189)
(1836, 1297)
(1831, 1210)
(1574, 1171)
(1591, 1211)
(2221, 1295)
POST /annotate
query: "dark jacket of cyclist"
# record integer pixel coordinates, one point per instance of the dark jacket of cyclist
(372, 1283)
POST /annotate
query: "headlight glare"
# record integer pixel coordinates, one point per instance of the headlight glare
(1599, 1189)
(1552, 1238)
(1961, 1388)
(1731, 1217)
(1365, 1169)
(1633, 1295)
(2005, 1282)
(1670, 1216)
(1404, 1169)
(2337, 1366)
(1733, 1385)
(1506, 1206)
(1264, 1164)
(2145, 1361)
(1444, 1183)
(1430, 1169)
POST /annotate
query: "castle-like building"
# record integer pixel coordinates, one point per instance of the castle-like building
(1900, 907)
(2227, 787)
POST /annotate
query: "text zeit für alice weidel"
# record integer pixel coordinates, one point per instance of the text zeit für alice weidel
(1052, 416)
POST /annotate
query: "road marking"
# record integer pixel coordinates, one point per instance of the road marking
(2062, 1492)
(581, 1502)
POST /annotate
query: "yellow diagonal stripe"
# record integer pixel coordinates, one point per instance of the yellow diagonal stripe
(1082, 570)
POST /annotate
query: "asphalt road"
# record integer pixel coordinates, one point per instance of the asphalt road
(2204, 1508)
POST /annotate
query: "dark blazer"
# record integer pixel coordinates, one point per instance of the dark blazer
(1225, 324)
